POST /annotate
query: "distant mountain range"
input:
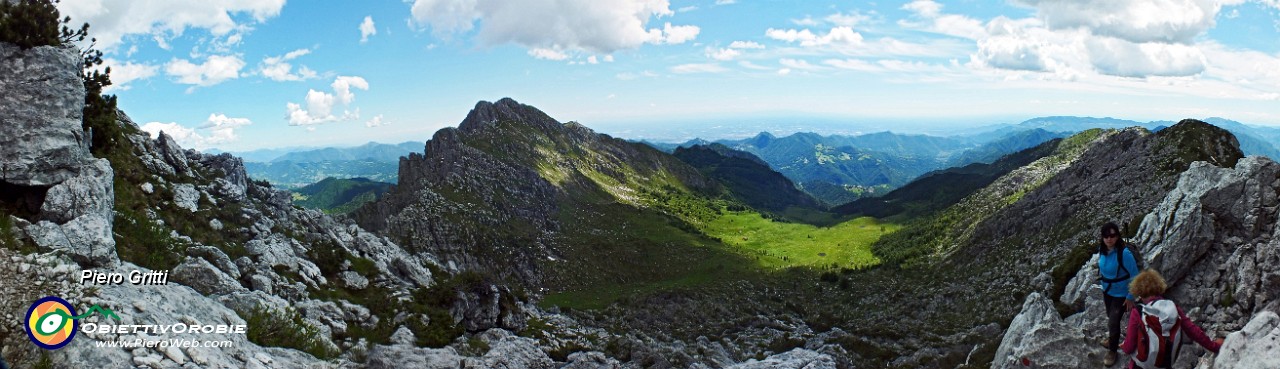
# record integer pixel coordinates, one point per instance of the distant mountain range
(834, 169)
(369, 151)
(1254, 140)
(289, 174)
(339, 196)
(293, 169)
(839, 169)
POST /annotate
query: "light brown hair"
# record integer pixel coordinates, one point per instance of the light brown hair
(1148, 283)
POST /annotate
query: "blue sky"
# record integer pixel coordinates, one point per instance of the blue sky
(241, 74)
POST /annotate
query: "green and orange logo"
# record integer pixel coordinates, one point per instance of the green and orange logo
(51, 321)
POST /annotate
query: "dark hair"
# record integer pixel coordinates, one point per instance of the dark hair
(1109, 228)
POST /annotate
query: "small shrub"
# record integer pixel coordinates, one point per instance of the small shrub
(439, 332)
(286, 328)
(1228, 296)
(561, 354)
(363, 266)
(10, 241)
(784, 344)
(475, 347)
(45, 362)
(829, 277)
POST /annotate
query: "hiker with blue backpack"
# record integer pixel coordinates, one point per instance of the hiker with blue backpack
(1157, 326)
(1117, 266)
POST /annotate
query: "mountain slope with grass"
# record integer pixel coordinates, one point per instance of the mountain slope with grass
(339, 196)
(940, 189)
(1007, 144)
(513, 193)
(947, 284)
(747, 177)
(812, 160)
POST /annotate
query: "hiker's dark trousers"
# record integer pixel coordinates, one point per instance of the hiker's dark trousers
(1115, 310)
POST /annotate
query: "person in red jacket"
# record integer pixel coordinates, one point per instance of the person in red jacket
(1156, 325)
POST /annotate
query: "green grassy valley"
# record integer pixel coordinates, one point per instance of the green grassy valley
(778, 244)
(687, 242)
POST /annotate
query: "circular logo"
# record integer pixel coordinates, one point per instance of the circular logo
(50, 324)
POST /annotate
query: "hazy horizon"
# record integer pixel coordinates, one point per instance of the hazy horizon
(244, 76)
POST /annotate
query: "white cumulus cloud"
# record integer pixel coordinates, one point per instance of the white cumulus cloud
(162, 20)
(841, 35)
(547, 54)
(797, 64)
(342, 87)
(125, 72)
(723, 54)
(1127, 59)
(218, 129)
(565, 26)
(320, 105)
(1139, 21)
(1142, 38)
(216, 69)
(698, 68)
(367, 29)
(848, 20)
(278, 68)
(928, 16)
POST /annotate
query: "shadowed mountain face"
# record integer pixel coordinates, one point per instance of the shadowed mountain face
(747, 177)
(836, 171)
(511, 191)
(339, 196)
(940, 189)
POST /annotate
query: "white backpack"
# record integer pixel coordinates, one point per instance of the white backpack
(1158, 346)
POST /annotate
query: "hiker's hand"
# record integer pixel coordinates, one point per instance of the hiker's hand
(1219, 341)
(1128, 304)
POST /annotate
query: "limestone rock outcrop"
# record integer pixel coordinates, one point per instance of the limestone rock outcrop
(794, 359)
(1214, 238)
(1044, 340)
(43, 143)
(46, 170)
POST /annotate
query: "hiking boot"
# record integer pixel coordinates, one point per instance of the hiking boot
(1110, 359)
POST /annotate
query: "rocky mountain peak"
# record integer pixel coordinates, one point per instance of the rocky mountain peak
(487, 114)
(1197, 140)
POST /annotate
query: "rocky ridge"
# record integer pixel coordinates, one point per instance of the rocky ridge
(1214, 239)
(238, 251)
(489, 195)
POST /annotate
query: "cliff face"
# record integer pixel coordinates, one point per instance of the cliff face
(1214, 238)
(62, 195)
(41, 107)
